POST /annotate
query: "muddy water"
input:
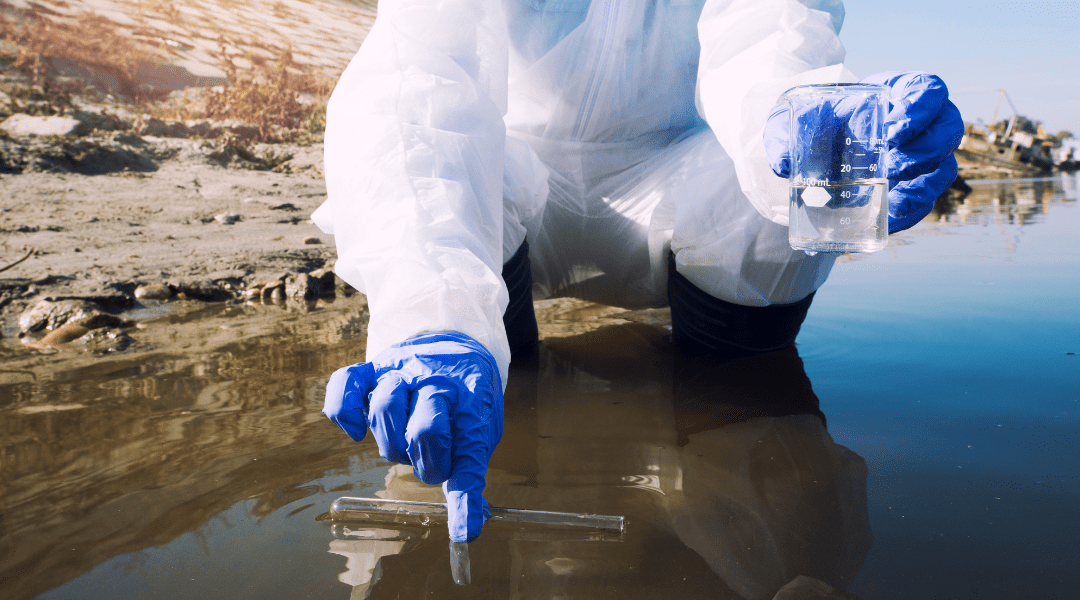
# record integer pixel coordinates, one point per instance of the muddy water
(196, 464)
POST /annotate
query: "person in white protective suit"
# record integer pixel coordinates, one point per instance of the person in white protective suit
(613, 148)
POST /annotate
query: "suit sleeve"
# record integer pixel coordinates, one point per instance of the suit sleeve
(414, 172)
(752, 51)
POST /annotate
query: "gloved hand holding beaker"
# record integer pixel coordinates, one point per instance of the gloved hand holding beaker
(434, 402)
(922, 129)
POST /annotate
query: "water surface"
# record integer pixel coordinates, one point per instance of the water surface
(920, 441)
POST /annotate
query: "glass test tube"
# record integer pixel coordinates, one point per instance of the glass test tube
(402, 512)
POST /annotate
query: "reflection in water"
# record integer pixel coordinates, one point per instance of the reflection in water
(107, 457)
(730, 484)
(1005, 205)
(166, 471)
(1006, 202)
(1069, 184)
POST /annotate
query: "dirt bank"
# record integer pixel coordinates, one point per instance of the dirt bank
(131, 207)
(198, 218)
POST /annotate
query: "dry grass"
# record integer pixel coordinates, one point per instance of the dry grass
(278, 97)
(33, 45)
(283, 100)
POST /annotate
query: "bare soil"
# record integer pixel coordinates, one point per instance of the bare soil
(193, 218)
(96, 216)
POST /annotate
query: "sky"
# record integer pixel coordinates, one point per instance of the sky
(1029, 48)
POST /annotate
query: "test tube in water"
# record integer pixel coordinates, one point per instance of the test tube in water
(401, 512)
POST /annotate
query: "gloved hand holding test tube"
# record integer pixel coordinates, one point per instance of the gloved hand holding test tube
(434, 402)
(444, 421)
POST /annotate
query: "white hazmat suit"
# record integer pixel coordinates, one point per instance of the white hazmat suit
(609, 133)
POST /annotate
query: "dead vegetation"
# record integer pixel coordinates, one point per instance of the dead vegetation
(277, 98)
(280, 99)
(37, 48)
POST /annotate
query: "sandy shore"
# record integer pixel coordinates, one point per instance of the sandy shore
(96, 216)
(191, 220)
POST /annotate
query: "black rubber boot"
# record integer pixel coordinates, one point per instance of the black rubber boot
(520, 318)
(702, 324)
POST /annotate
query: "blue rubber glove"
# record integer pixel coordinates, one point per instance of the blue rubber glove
(923, 128)
(434, 402)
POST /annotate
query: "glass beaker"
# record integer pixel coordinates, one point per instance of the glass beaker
(838, 188)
